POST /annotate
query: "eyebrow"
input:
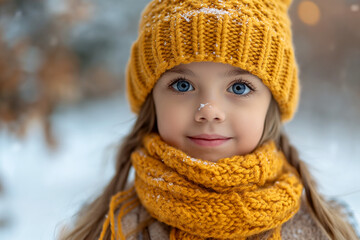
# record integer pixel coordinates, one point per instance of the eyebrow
(230, 73)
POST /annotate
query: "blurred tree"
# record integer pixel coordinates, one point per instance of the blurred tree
(40, 65)
(11, 105)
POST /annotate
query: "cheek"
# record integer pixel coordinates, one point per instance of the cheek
(171, 121)
(249, 125)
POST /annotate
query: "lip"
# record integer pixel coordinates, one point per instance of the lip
(209, 140)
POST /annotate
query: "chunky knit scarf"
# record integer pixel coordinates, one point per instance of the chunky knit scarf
(234, 198)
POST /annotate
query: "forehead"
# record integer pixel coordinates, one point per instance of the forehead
(207, 69)
(197, 69)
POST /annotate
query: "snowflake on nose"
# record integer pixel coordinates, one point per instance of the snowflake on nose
(203, 105)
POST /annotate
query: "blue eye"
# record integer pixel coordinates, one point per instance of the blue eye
(240, 88)
(181, 86)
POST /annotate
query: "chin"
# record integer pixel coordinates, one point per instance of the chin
(208, 157)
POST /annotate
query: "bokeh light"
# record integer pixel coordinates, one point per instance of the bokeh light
(309, 12)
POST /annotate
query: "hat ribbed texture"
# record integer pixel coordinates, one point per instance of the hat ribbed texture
(254, 35)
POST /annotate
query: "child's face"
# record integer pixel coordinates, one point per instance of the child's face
(197, 98)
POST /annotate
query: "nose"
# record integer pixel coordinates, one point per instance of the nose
(209, 112)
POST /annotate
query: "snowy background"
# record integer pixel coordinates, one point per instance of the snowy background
(43, 188)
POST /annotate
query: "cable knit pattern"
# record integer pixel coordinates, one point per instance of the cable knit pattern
(233, 198)
(254, 35)
(299, 227)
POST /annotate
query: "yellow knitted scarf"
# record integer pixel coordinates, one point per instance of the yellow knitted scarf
(234, 198)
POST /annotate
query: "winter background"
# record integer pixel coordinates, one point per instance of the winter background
(46, 175)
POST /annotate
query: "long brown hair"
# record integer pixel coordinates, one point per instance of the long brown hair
(90, 219)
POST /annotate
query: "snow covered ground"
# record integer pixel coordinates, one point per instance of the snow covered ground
(43, 189)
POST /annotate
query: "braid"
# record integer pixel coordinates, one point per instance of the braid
(90, 219)
(325, 214)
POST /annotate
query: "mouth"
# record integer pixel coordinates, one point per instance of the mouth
(207, 140)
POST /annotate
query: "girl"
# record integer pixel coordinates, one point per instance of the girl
(212, 82)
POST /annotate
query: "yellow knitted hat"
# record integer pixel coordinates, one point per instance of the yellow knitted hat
(254, 35)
